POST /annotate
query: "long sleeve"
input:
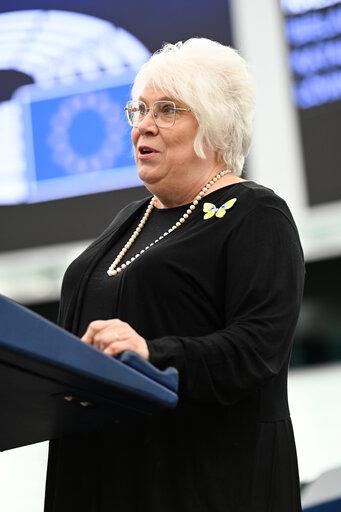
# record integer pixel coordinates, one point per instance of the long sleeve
(262, 282)
(218, 299)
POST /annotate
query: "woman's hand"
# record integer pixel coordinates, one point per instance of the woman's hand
(114, 336)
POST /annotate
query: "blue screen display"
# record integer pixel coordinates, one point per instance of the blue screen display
(66, 72)
(313, 34)
(77, 138)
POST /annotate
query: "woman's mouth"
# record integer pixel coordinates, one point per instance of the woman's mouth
(146, 152)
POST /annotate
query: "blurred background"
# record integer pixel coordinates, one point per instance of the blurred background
(66, 69)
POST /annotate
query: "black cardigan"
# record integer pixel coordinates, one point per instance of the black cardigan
(219, 300)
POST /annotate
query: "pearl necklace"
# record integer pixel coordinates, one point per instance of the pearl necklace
(113, 270)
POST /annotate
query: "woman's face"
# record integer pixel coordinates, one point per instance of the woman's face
(172, 165)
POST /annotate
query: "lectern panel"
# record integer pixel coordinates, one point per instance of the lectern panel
(53, 385)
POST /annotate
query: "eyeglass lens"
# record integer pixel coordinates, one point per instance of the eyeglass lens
(163, 113)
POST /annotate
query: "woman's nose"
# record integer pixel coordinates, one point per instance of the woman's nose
(148, 125)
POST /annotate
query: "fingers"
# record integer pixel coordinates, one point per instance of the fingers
(92, 329)
(116, 348)
(137, 344)
(97, 326)
(114, 336)
(107, 336)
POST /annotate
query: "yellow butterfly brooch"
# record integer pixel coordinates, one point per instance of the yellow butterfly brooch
(211, 210)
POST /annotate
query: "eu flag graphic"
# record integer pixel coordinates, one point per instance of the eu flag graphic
(78, 139)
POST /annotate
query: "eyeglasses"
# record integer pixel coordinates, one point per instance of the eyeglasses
(163, 112)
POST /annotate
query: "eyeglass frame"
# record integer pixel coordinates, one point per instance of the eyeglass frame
(126, 108)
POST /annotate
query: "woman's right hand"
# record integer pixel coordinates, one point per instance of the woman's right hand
(114, 337)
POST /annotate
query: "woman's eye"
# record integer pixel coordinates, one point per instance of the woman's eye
(168, 109)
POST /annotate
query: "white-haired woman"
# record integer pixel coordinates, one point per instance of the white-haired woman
(205, 275)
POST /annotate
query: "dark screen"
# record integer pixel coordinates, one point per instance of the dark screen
(314, 42)
(153, 23)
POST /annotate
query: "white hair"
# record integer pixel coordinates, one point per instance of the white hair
(213, 80)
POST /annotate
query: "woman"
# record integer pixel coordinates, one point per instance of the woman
(206, 275)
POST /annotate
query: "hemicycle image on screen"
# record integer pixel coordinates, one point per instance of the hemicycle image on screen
(65, 133)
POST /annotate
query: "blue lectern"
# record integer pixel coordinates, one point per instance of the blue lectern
(53, 385)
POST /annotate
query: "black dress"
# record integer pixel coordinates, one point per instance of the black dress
(218, 299)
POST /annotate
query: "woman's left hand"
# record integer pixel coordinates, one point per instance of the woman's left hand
(114, 336)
